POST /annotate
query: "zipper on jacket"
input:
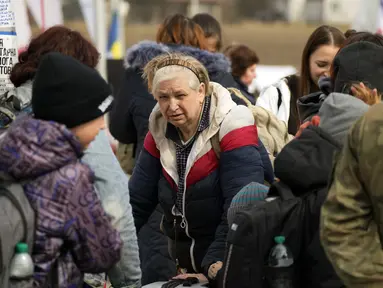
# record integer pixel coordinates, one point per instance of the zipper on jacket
(227, 265)
(175, 244)
(184, 225)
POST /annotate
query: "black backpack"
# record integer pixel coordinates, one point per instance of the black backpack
(251, 237)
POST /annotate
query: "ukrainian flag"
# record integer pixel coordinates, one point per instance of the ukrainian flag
(114, 44)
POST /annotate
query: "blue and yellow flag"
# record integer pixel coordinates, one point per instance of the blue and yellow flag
(114, 44)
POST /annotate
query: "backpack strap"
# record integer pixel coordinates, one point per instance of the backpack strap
(215, 144)
(239, 94)
(279, 97)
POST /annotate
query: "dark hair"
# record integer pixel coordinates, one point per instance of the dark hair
(349, 33)
(293, 82)
(55, 39)
(241, 57)
(354, 37)
(181, 30)
(363, 36)
(323, 35)
(210, 27)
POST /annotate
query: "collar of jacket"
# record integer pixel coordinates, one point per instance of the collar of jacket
(221, 104)
(339, 112)
(172, 132)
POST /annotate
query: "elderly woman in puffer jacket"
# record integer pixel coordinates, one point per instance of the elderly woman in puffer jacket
(201, 149)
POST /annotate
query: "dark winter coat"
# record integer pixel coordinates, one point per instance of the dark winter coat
(210, 181)
(305, 165)
(245, 90)
(309, 105)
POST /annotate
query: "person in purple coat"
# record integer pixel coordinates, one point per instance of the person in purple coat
(43, 152)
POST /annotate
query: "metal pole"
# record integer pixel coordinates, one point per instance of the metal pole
(101, 35)
(43, 11)
(194, 7)
(123, 13)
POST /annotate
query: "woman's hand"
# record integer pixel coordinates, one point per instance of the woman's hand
(315, 120)
(367, 95)
(214, 268)
(201, 278)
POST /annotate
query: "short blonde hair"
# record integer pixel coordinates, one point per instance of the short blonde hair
(166, 66)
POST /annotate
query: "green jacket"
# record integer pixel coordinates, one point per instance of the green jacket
(352, 216)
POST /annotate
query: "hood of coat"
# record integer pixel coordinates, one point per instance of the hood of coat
(339, 112)
(309, 105)
(305, 163)
(31, 148)
(140, 54)
(221, 104)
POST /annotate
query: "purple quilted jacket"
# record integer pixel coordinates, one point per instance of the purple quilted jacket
(73, 232)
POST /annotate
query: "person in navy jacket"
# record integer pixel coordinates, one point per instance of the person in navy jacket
(201, 149)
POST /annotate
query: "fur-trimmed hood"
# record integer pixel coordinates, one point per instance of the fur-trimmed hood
(140, 54)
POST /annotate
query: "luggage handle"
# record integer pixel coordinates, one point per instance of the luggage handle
(281, 190)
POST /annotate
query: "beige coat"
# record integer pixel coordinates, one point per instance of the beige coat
(272, 131)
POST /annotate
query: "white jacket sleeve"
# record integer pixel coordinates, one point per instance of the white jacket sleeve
(268, 99)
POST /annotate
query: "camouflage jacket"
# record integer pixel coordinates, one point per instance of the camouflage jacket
(352, 216)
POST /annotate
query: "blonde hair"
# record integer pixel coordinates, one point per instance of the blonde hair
(167, 66)
(366, 94)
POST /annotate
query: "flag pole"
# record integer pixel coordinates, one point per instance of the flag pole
(101, 35)
(194, 7)
(123, 13)
(43, 11)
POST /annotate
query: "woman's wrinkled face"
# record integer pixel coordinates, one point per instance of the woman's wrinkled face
(249, 75)
(87, 132)
(179, 104)
(321, 60)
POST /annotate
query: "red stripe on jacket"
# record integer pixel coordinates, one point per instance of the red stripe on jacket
(150, 146)
(169, 179)
(245, 136)
(202, 168)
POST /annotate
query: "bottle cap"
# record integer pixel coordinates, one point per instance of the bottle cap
(21, 247)
(279, 239)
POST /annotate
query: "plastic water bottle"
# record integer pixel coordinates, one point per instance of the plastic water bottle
(280, 264)
(22, 264)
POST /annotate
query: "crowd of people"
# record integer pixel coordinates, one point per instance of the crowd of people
(195, 148)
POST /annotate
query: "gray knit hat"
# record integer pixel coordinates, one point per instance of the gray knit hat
(249, 196)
